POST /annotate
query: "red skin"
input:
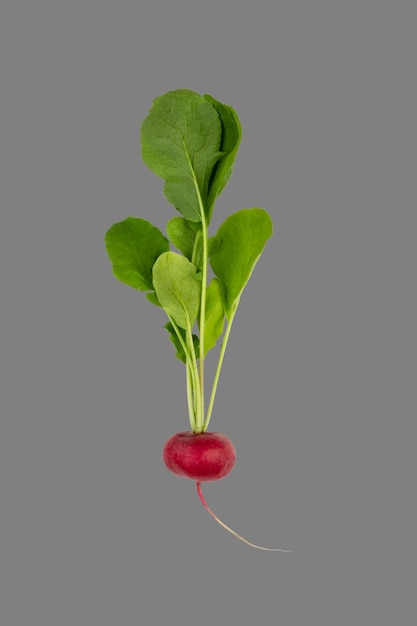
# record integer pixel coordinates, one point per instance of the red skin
(202, 457)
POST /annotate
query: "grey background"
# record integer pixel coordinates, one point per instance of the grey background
(318, 390)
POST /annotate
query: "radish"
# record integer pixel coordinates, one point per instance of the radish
(191, 141)
(204, 457)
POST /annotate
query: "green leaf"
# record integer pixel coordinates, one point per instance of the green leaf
(214, 318)
(229, 145)
(180, 143)
(178, 287)
(152, 297)
(180, 354)
(186, 236)
(235, 249)
(133, 246)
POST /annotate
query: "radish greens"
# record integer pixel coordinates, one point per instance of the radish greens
(191, 142)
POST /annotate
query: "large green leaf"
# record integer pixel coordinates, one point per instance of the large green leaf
(181, 143)
(235, 249)
(214, 317)
(133, 246)
(186, 236)
(178, 287)
(229, 145)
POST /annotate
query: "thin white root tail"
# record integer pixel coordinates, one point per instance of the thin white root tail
(253, 545)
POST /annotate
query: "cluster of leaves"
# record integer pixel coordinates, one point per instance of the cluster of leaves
(191, 141)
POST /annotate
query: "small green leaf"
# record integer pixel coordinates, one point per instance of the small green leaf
(152, 297)
(186, 236)
(229, 145)
(214, 318)
(178, 287)
(180, 354)
(133, 246)
(235, 249)
(180, 143)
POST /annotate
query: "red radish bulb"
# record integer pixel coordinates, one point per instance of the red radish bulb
(199, 456)
(204, 457)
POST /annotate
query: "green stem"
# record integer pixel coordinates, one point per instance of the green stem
(190, 396)
(204, 229)
(193, 392)
(194, 258)
(199, 416)
(219, 367)
(203, 309)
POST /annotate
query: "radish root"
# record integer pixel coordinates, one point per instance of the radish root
(206, 506)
